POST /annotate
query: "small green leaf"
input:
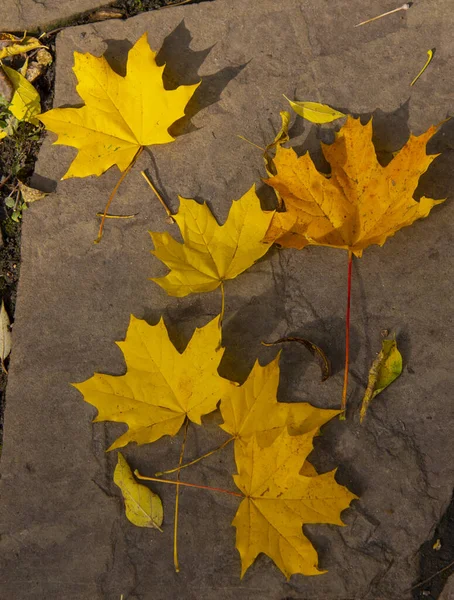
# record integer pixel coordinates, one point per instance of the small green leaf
(10, 202)
(385, 369)
(16, 216)
(315, 112)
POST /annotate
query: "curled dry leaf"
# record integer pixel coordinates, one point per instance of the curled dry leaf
(211, 253)
(6, 87)
(162, 387)
(279, 500)
(385, 369)
(30, 194)
(121, 114)
(360, 203)
(10, 45)
(143, 508)
(315, 112)
(39, 65)
(315, 350)
(104, 14)
(5, 336)
(253, 408)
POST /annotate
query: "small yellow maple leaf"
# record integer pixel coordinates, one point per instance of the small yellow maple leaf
(360, 203)
(211, 253)
(279, 500)
(121, 114)
(161, 386)
(253, 409)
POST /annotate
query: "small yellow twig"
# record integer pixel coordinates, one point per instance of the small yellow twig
(177, 501)
(100, 214)
(430, 54)
(405, 6)
(176, 4)
(114, 191)
(158, 196)
(196, 460)
(252, 143)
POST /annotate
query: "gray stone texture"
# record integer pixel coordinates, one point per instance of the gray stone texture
(29, 15)
(63, 531)
(448, 590)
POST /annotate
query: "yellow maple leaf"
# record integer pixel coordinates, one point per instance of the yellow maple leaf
(121, 114)
(253, 409)
(279, 500)
(161, 386)
(360, 203)
(211, 253)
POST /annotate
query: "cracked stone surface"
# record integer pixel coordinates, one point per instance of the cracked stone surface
(63, 532)
(23, 15)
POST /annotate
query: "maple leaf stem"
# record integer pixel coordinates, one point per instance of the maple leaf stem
(158, 195)
(221, 316)
(177, 500)
(347, 335)
(196, 460)
(114, 191)
(186, 484)
(252, 143)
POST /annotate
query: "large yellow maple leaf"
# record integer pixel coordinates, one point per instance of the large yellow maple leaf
(279, 501)
(211, 253)
(253, 409)
(121, 114)
(161, 386)
(360, 203)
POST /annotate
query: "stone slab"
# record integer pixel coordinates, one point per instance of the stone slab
(63, 534)
(448, 590)
(29, 15)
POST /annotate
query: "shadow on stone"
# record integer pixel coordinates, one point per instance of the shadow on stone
(182, 66)
(243, 343)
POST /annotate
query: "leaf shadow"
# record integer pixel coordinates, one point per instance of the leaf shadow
(244, 343)
(182, 66)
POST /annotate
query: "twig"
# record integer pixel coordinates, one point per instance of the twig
(176, 4)
(196, 460)
(158, 196)
(5, 180)
(252, 143)
(100, 214)
(186, 484)
(177, 500)
(347, 335)
(114, 191)
(405, 6)
(421, 583)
